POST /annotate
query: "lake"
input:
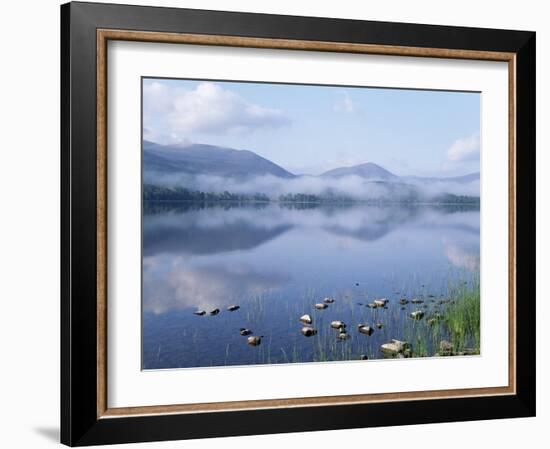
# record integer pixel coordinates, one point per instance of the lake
(275, 261)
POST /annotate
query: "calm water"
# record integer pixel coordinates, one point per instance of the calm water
(277, 261)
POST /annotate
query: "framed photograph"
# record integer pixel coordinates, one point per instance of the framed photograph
(282, 224)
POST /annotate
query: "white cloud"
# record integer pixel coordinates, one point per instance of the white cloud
(345, 104)
(464, 149)
(172, 113)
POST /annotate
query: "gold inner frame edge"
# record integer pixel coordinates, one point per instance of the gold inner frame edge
(104, 35)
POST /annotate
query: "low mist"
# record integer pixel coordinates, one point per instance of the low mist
(351, 186)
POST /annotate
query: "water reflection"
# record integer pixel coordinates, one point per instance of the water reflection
(193, 234)
(204, 228)
(467, 258)
(173, 283)
(205, 256)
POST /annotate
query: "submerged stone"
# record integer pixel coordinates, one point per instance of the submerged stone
(395, 347)
(244, 331)
(308, 331)
(445, 347)
(417, 315)
(470, 351)
(365, 329)
(328, 300)
(343, 336)
(254, 340)
(320, 306)
(199, 312)
(233, 307)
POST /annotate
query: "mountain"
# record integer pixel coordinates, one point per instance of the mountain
(172, 172)
(227, 162)
(208, 160)
(368, 171)
(374, 172)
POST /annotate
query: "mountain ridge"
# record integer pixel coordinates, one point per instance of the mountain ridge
(367, 170)
(229, 162)
(208, 159)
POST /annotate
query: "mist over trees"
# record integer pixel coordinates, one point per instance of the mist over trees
(161, 193)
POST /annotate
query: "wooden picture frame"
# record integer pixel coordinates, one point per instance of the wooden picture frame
(86, 28)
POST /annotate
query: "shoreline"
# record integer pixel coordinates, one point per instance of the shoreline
(327, 202)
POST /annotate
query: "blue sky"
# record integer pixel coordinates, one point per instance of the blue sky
(311, 129)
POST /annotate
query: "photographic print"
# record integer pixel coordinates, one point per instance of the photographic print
(290, 223)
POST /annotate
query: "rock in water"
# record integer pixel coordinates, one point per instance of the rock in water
(381, 302)
(244, 331)
(320, 306)
(343, 336)
(364, 357)
(470, 351)
(379, 325)
(364, 329)
(306, 319)
(417, 301)
(214, 312)
(371, 305)
(232, 308)
(254, 340)
(328, 300)
(417, 315)
(308, 331)
(403, 301)
(445, 347)
(395, 347)
(338, 324)
(199, 312)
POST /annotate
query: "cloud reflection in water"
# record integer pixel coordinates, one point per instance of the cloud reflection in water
(171, 283)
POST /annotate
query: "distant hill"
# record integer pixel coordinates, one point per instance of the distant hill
(171, 172)
(208, 160)
(374, 172)
(368, 170)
